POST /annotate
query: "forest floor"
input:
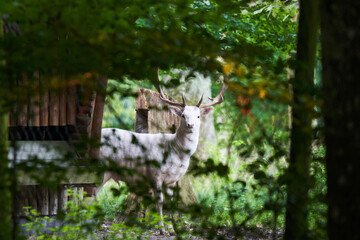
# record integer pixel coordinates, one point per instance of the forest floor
(225, 233)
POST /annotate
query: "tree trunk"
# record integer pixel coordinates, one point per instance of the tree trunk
(7, 228)
(5, 193)
(296, 225)
(341, 89)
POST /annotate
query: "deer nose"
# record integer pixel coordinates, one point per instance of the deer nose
(190, 125)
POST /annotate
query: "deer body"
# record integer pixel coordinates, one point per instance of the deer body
(170, 152)
(138, 151)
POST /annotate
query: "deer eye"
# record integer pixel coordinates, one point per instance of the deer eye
(198, 116)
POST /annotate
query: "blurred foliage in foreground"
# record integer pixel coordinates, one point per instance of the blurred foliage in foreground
(251, 42)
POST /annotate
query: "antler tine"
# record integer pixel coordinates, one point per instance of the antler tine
(164, 98)
(216, 100)
(199, 103)
(183, 99)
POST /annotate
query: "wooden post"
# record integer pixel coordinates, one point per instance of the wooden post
(98, 116)
(96, 124)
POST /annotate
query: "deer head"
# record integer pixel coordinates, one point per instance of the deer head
(190, 115)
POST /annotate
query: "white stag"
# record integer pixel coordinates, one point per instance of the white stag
(170, 152)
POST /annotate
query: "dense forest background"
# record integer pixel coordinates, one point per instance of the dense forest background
(280, 155)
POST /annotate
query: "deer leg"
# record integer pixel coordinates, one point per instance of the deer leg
(107, 177)
(170, 194)
(160, 201)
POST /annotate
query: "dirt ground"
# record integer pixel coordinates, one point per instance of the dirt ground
(225, 233)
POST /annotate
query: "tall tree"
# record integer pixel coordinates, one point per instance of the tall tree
(5, 194)
(340, 39)
(296, 226)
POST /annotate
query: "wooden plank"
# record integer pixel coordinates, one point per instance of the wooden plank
(44, 109)
(25, 202)
(62, 197)
(44, 206)
(22, 114)
(21, 201)
(62, 108)
(38, 197)
(54, 109)
(32, 196)
(34, 108)
(71, 105)
(53, 202)
(22, 107)
(34, 112)
(11, 119)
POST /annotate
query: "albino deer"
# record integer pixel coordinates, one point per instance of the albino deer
(170, 152)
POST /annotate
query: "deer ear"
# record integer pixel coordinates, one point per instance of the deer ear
(205, 111)
(175, 110)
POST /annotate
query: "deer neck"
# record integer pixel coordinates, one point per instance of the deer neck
(185, 141)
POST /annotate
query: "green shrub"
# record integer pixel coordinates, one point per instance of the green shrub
(80, 220)
(111, 198)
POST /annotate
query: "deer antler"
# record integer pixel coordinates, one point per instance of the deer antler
(166, 99)
(216, 100)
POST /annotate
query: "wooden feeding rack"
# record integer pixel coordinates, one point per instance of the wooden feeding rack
(48, 120)
(47, 126)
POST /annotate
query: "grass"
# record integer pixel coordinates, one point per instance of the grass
(227, 198)
(110, 201)
(237, 201)
(228, 201)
